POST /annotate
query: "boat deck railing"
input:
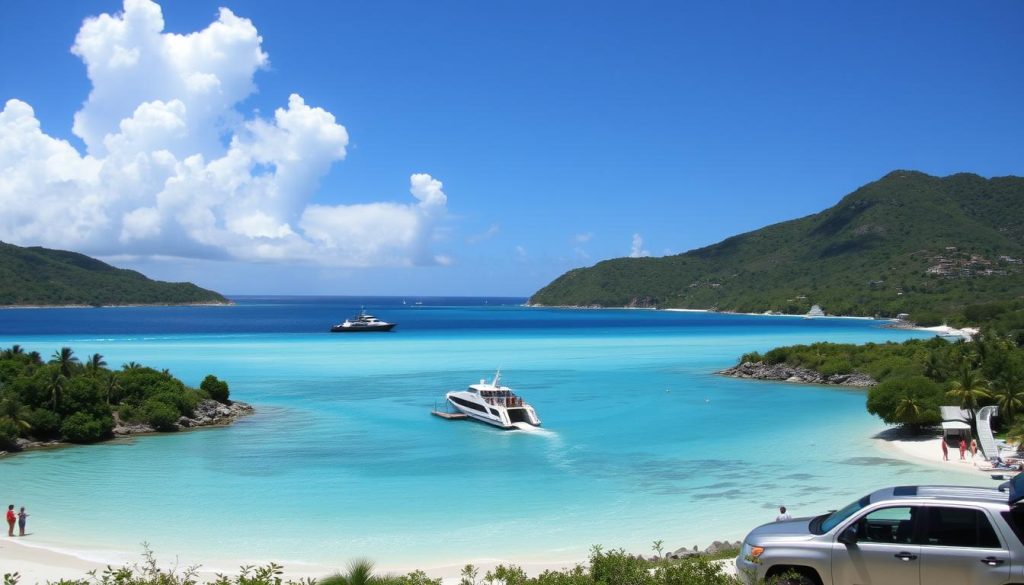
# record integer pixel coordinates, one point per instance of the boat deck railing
(508, 401)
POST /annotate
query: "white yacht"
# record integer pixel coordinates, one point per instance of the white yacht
(494, 404)
(362, 322)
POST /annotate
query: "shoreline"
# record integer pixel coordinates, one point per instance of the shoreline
(41, 561)
(926, 450)
(230, 303)
(211, 416)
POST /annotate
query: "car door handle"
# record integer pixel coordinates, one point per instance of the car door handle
(992, 561)
(905, 556)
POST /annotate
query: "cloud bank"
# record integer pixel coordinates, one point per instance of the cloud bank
(172, 168)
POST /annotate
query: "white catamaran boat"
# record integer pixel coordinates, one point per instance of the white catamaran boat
(494, 404)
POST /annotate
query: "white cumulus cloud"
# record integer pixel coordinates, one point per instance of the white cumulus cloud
(157, 178)
(637, 250)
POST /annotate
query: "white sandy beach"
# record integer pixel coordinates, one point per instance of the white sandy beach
(38, 564)
(928, 451)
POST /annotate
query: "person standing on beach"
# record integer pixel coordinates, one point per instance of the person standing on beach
(945, 450)
(22, 516)
(974, 448)
(963, 448)
(10, 520)
(783, 515)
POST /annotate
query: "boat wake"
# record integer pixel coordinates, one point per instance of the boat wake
(527, 427)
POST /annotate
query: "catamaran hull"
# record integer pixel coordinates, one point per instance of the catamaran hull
(496, 420)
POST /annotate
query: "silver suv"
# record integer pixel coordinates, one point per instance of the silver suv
(932, 535)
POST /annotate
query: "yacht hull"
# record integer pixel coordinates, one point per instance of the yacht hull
(363, 329)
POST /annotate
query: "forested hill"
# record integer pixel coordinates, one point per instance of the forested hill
(40, 276)
(910, 242)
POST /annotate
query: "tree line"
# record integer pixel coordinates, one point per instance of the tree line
(67, 399)
(916, 377)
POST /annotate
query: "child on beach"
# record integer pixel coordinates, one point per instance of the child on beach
(10, 520)
(22, 516)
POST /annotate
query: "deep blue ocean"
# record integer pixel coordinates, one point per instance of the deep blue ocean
(641, 440)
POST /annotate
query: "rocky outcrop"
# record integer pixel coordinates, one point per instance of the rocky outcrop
(787, 373)
(207, 413)
(716, 547)
(642, 302)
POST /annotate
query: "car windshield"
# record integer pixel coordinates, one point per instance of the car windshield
(832, 520)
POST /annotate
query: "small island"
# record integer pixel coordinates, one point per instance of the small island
(64, 400)
(40, 277)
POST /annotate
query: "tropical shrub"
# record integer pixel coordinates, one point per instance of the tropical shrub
(9, 433)
(912, 401)
(160, 415)
(215, 389)
(44, 422)
(82, 427)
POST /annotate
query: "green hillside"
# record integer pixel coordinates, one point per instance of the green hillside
(39, 276)
(910, 242)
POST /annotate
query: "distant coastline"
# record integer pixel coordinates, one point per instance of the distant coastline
(228, 302)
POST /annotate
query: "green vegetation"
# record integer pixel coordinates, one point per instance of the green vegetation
(614, 567)
(38, 276)
(918, 376)
(908, 243)
(65, 399)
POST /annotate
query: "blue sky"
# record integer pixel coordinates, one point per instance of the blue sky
(544, 136)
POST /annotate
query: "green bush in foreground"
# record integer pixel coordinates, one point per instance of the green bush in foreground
(614, 567)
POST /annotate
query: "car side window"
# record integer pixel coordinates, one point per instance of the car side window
(965, 527)
(888, 525)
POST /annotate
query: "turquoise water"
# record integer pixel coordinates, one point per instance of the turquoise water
(640, 440)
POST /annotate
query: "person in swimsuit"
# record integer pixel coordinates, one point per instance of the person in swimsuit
(10, 520)
(22, 516)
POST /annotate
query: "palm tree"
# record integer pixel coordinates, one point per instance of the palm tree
(94, 364)
(909, 411)
(131, 366)
(113, 388)
(969, 388)
(55, 386)
(12, 351)
(935, 366)
(1009, 394)
(11, 408)
(908, 405)
(34, 358)
(66, 359)
(360, 572)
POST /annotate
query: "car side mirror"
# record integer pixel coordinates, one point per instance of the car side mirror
(848, 535)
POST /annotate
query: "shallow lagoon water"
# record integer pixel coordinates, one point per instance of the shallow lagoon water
(641, 441)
